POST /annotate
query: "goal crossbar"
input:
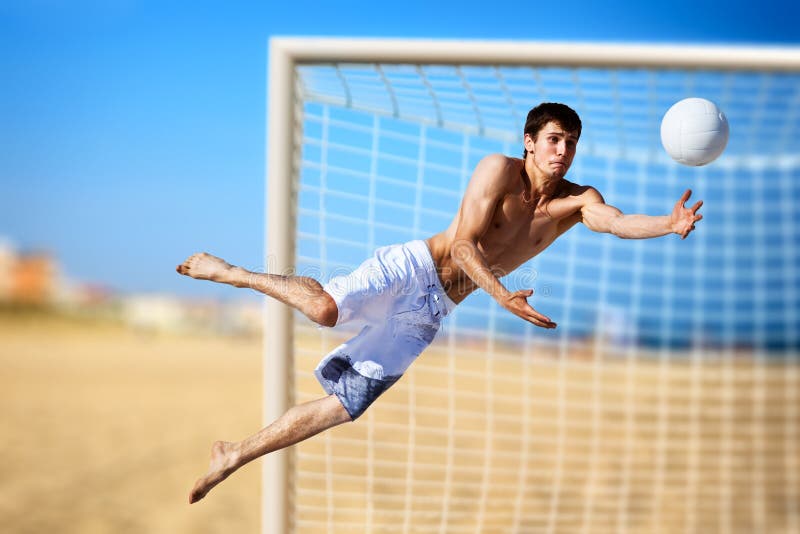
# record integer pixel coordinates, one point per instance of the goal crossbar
(431, 51)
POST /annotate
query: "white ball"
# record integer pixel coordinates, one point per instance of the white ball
(694, 131)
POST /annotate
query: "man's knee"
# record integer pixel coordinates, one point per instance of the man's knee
(335, 411)
(326, 313)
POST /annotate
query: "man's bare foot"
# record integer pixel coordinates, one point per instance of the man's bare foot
(204, 266)
(224, 457)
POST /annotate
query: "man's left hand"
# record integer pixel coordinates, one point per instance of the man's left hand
(682, 219)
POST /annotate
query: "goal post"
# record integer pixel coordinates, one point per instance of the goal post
(280, 258)
(385, 132)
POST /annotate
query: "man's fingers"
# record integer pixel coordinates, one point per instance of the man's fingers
(543, 324)
(541, 318)
(526, 311)
(685, 197)
(697, 206)
(539, 322)
(536, 318)
(533, 313)
(532, 316)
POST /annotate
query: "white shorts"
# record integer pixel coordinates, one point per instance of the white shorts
(397, 300)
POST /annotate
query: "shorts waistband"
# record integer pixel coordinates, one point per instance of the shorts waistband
(419, 249)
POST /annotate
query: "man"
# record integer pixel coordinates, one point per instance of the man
(512, 210)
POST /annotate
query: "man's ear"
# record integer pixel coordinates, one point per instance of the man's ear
(529, 142)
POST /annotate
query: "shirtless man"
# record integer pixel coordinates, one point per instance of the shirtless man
(512, 210)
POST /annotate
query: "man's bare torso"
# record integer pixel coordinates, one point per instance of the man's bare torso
(521, 228)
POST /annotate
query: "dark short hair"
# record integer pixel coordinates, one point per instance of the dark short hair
(551, 111)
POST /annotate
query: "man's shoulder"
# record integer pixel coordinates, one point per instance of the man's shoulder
(500, 163)
(498, 170)
(586, 193)
(570, 201)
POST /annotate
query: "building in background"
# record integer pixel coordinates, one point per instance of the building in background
(35, 280)
(29, 278)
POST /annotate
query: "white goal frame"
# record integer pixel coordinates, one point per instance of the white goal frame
(283, 142)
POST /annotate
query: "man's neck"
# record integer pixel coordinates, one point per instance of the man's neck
(541, 185)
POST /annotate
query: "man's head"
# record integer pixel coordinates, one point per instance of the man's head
(547, 112)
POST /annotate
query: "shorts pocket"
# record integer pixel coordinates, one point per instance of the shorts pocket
(416, 327)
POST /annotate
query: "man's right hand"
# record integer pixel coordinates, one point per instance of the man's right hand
(517, 303)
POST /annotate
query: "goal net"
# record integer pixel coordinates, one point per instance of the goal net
(668, 398)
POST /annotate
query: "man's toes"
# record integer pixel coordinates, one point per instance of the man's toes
(198, 491)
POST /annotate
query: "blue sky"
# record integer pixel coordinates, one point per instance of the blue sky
(132, 133)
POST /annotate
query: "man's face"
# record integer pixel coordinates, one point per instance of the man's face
(552, 150)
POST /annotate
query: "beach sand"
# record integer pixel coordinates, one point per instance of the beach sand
(106, 429)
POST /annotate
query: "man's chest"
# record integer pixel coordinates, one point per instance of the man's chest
(515, 218)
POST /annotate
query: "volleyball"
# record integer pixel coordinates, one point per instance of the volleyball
(694, 131)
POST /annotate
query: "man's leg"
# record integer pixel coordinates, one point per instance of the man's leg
(297, 424)
(300, 292)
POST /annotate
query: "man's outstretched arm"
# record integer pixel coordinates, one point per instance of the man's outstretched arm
(600, 217)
